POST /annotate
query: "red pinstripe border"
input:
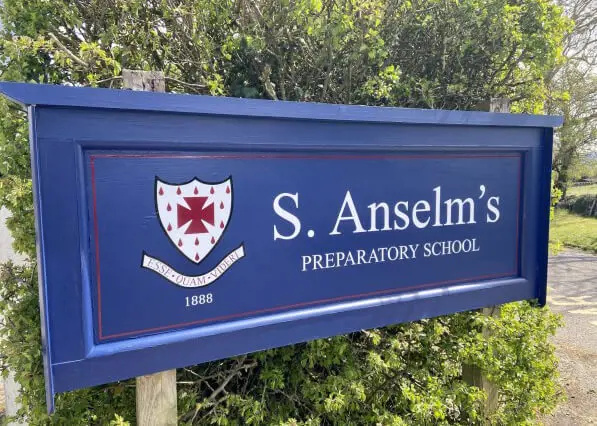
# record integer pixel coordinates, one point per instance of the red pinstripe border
(97, 257)
(302, 304)
(518, 201)
(255, 156)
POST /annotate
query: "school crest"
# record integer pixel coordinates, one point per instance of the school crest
(194, 216)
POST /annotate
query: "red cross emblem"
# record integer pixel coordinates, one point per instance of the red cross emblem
(197, 213)
(194, 215)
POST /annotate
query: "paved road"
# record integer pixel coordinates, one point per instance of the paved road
(573, 293)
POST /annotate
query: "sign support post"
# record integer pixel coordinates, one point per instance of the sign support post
(156, 399)
(474, 375)
(156, 393)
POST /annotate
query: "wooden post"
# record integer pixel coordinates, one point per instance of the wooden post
(148, 81)
(156, 399)
(156, 393)
(473, 375)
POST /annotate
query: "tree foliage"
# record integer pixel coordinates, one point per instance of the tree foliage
(574, 97)
(432, 53)
(441, 54)
(572, 89)
(580, 44)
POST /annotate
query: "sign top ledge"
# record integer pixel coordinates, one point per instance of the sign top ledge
(85, 97)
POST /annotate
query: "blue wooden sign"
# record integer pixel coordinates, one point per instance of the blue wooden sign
(174, 230)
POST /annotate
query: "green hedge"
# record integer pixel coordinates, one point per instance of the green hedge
(584, 205)
(406, 374)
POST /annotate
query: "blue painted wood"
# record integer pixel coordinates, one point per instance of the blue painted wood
(46, 333)
(544, 205)
(51, 95)
(101, 157)
(156, 353)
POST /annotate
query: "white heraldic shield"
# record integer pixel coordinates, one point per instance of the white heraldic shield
(194, 216)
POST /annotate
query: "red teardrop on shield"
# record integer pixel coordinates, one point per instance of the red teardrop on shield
(222, 224)
(161, 191)
(197, 256)
(196, 191)
(169, 227)
(213, 240)
(221, 204)
(178, 191)
(168, 207)
(227, 190)
(179, 242)
(196, 241)
(212, 190)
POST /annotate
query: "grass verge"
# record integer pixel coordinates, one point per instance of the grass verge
(582, 190)
(574, 231)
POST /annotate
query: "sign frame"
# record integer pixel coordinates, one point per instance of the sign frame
(66, 123)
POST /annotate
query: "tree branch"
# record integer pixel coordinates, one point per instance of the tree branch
(184, 83)
(240, 366)
(110, 79)
(67, 51)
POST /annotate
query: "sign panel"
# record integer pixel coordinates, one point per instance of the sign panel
(175, 230)
(230, 236)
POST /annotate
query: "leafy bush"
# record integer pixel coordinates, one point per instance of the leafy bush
(405, 374)
(584, 205)
(21, 351)
(422, 54)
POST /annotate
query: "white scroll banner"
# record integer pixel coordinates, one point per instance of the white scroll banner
(187, 281)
